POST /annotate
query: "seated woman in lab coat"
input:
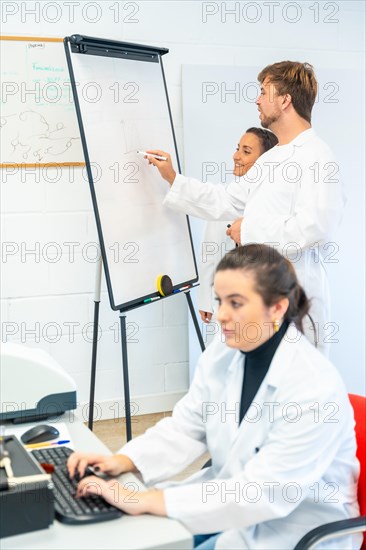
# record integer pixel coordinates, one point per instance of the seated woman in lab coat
(215, 241)
(271, 410)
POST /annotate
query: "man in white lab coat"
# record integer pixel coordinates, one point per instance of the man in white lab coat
(291, 198)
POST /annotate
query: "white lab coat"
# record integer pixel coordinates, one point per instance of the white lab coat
(292, 199)
(215, 244)
(290, 465)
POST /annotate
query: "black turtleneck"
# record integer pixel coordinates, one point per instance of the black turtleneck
(257, 363)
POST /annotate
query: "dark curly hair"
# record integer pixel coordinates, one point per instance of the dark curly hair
(267, 138)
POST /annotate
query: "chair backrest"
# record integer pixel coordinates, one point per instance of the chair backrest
(359, 407)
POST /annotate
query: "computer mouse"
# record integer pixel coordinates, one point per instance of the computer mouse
(39, 434)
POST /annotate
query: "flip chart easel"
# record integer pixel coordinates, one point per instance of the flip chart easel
(129, 211)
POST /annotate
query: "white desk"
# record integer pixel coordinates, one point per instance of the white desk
(127, 532)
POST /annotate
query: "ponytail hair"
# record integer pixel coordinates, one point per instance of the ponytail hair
(274, 276)
(299, 305)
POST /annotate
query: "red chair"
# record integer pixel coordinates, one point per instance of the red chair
(353, 525)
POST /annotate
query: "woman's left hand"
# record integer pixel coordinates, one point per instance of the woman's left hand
(126, 497)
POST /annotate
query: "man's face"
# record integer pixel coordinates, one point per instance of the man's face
(269, 103)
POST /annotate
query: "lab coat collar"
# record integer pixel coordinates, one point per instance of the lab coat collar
(303, 137)
(284, 355)
(284, 152)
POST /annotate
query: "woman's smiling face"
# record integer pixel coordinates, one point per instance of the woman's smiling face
(248, 151)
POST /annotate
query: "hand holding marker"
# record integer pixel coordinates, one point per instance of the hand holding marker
(229, 233)
(158, 157)
(155, 157)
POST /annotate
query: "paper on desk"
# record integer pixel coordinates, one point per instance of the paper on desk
(18, 431)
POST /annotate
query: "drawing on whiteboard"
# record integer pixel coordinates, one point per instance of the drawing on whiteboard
(130, 137)
(32, 138)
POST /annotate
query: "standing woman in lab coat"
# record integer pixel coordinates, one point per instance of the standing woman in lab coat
(271, 410)
(215, 241)
(291, 198)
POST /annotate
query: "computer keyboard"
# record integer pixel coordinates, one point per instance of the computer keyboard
(69, 509)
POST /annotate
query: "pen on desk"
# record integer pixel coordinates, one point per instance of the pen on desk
(39, 445)
(158, 157)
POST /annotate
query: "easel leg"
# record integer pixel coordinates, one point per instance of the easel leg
(126, 385)
(93, 365)
(98, 278)
(195, 322)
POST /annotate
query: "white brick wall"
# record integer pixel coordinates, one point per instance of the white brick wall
(54, 206)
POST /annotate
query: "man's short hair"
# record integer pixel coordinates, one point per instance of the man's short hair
(296, 79)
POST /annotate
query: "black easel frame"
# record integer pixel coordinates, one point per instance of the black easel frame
(124, 50)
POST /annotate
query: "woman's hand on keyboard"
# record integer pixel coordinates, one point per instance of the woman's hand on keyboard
(111, 465)
(126, 497)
